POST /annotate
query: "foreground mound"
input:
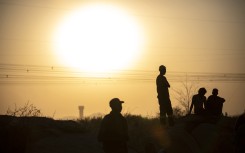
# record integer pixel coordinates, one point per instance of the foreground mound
(191, 134)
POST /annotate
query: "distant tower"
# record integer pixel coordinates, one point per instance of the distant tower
(81, 108)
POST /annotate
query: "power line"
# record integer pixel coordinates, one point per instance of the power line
(17, 73)
(65, 69)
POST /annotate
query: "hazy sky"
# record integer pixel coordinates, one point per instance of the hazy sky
(200, 39)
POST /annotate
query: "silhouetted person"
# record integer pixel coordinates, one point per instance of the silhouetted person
(214, 103)
(240, 134)
(198, 101)
(113, 131)
(163, 97)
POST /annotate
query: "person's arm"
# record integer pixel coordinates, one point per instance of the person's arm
(205, 102)
(191, 105)
(222, 100)
(166, 83)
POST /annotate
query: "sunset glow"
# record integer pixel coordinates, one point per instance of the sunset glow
(98, 38)
(58, 55)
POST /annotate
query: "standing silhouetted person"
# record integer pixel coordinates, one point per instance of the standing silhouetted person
(214, 104)
(198, 101)
(113, 131)
(163, 97)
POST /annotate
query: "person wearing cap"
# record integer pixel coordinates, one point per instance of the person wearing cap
(166, 109)
(113, 132)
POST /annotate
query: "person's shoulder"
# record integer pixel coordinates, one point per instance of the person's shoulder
(159, 79)
(107, 116)
(195, 96)
(210, 99)
(163, 76)
(159, 76)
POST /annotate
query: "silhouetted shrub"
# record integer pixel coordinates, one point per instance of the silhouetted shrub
(26, 110)
(178, 112)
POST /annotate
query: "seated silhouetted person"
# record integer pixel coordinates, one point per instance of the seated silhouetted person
(198, 102)
(214, 104)
(113, 131)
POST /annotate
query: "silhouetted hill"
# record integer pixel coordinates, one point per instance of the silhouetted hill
(191, 134)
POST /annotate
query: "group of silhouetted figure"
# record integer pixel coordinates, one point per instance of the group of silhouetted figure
(113, 132)
(211, 106)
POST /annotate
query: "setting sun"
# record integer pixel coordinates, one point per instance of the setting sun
(98, 38)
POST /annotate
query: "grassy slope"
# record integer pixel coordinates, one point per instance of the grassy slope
(45, 135)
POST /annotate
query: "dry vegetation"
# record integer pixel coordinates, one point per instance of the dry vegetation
(26, 110)
(32, 134)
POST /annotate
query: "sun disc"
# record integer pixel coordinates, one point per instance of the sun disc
(98, 38)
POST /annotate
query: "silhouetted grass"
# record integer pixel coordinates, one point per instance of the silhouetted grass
(145, 130)
(21, 132)
(142, 130)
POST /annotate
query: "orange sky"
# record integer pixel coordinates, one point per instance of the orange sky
(187, 36)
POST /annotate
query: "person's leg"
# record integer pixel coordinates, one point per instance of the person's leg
(170, 113)
(162, 115)
(171, 120)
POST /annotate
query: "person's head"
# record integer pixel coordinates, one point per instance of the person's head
(116, 105)
(202, 91)
(215, 91)
(162, 69)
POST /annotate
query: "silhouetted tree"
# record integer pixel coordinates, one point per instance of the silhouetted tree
(184, 94)
(27, 110)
